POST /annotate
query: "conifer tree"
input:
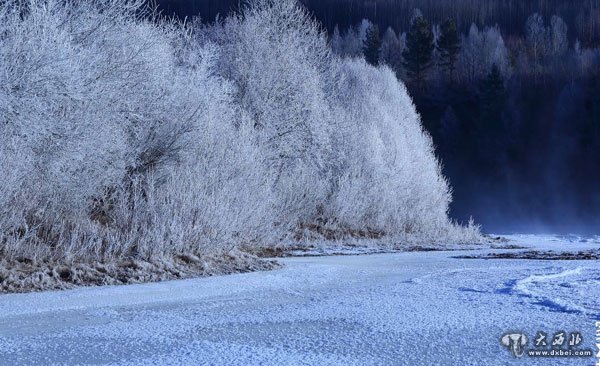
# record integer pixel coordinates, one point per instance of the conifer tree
(419, 51)
(372, 45)
(490, 132)
(492, 94)
(448, 46)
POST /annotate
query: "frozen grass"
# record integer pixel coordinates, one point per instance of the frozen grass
(26, 276)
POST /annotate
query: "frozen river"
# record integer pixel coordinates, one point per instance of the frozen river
(418, 308)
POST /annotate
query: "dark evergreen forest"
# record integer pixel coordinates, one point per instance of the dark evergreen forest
(508, 89)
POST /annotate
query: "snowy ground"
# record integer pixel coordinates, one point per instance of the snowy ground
(417, 308)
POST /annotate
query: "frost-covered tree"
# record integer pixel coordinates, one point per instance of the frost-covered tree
(481, 50)
(469, 60)
(372, 45)
(351, 43)
(560, 42)
(392, 47)
(126, 135)
(495, 51)
(537, 37)
(362, 29)
(109, 124)
(390, 44)
(279, 58)
(336, 41)
(312, 113)
(384, 149)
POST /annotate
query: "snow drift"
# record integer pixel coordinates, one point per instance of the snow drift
(127, 135)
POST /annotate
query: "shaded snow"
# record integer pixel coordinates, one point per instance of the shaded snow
(418, 308)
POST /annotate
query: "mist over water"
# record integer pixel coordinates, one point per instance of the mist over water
(494, 217)
(510, 210)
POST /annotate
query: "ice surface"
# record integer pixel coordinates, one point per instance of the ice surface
(417, 308)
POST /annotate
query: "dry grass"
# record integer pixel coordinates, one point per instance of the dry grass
(25, 275)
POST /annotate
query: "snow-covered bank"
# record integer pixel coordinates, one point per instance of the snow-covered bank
(555, 242)
(418, 308)
(541, 247)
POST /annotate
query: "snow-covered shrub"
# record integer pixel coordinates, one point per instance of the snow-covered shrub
(279, 60)
(116, 138)
(343, 142)
(389, 179)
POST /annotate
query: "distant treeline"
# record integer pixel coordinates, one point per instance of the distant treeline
(516, 122)
(581, 16)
